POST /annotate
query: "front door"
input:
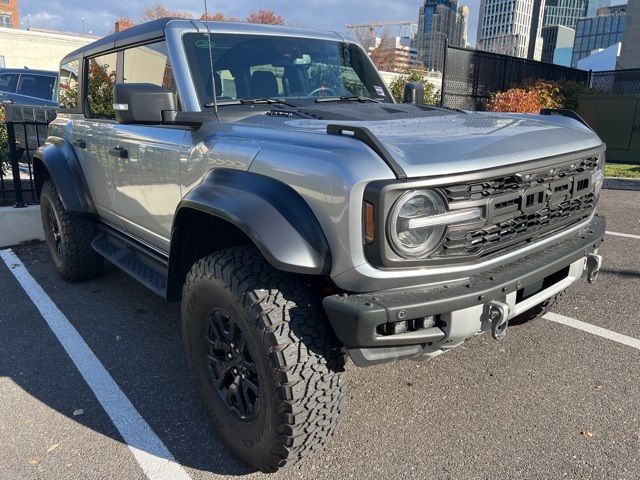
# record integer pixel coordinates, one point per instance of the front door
(147, 158)
(147, 178)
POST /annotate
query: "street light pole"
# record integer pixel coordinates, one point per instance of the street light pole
(83, 19)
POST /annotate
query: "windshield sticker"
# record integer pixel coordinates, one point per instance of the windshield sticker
(379, 90)
(204, 44)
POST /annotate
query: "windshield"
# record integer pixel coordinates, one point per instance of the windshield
(249, 67)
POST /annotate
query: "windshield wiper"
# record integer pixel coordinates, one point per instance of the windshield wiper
(251, 101)
(347, 98)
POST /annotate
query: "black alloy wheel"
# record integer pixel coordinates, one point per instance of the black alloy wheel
(232, 370)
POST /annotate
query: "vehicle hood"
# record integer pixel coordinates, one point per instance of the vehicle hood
(450, 142)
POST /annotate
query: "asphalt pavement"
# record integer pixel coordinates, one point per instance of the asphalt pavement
(550, 401)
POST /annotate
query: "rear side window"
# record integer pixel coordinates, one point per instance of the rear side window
(149, 64)
(8, 82)
(68, 96)
(101, 77)
(36, 86)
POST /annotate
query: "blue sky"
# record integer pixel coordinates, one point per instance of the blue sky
(324, 14)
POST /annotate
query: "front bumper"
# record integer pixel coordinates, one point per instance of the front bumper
(456, 311)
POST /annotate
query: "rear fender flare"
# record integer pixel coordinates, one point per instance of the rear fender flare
(59, 159)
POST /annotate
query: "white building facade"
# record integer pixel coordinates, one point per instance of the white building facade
(38, 49)
(511, 27)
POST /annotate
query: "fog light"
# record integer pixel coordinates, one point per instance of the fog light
(398, 327)
(426, 322)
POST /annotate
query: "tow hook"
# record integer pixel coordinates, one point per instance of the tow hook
(498, 314)
(594, 262)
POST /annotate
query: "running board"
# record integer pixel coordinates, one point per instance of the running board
(146, 268)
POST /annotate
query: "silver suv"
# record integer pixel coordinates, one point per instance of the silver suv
(265, 177)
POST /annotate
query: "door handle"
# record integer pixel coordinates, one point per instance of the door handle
(80, 143)
(119, 152)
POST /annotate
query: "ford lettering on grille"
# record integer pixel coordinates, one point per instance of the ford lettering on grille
(520, 207)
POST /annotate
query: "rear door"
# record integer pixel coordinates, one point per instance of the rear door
(93, 133)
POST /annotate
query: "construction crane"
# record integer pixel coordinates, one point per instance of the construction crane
(373, 26)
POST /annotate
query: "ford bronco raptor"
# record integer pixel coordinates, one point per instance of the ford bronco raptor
(265, 177)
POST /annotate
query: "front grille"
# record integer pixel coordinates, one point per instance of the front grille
(521, 207)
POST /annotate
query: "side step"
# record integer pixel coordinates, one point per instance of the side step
(146, 268)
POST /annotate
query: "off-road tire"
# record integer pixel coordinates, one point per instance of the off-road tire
(538, 311)
(298, 360)
(70, 246)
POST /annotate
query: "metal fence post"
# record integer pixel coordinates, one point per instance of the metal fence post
(14, 157)
(444, 70)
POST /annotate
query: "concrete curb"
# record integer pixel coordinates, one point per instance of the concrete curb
(614, 183)
(20, 225)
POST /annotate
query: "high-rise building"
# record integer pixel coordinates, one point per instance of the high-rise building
(565, 12)
(597, 33)
(594, 5)
(630, 52)
(9, 14)
(511, 27)
(439, 21)
(557, 44)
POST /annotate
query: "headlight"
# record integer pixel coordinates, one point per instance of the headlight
(408, 237)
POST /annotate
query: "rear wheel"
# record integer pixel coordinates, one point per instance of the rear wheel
(69, 237)
(266, 363)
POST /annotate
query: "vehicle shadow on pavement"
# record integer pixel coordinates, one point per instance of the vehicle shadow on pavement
(135, 335)
(621, 273)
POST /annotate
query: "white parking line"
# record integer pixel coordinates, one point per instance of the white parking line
(587, 327)
(626, 235)
(151, 454)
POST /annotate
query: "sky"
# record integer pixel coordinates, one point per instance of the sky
(100, 15)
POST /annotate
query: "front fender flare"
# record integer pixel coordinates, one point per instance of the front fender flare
(60, 161)
(270, 213)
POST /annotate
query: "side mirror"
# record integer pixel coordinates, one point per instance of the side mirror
(142, 103)
(414, 93)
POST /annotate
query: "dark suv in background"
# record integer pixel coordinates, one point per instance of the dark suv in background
(28, 87)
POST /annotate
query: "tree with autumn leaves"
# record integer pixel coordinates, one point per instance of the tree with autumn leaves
(160, 11)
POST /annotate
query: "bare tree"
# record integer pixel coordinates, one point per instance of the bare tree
(366, 36)
(384, 53)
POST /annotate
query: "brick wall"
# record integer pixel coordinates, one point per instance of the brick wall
(10, 7)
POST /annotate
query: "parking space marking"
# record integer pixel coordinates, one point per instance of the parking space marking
(151, 454)
(626, 235)
(599, 331)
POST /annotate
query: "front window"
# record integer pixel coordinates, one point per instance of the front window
(262, 66)
(101, 78)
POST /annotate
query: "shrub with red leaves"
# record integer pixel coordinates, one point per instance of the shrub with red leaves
(517, 100)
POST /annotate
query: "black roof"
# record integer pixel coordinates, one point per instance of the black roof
(154, 29)
(137, 34)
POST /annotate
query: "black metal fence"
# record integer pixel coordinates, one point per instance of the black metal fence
(471, 76)
(617, 82)
(26, 129)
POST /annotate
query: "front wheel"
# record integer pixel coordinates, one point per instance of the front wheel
(266, 363)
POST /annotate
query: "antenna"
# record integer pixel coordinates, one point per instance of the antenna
(213, 79)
